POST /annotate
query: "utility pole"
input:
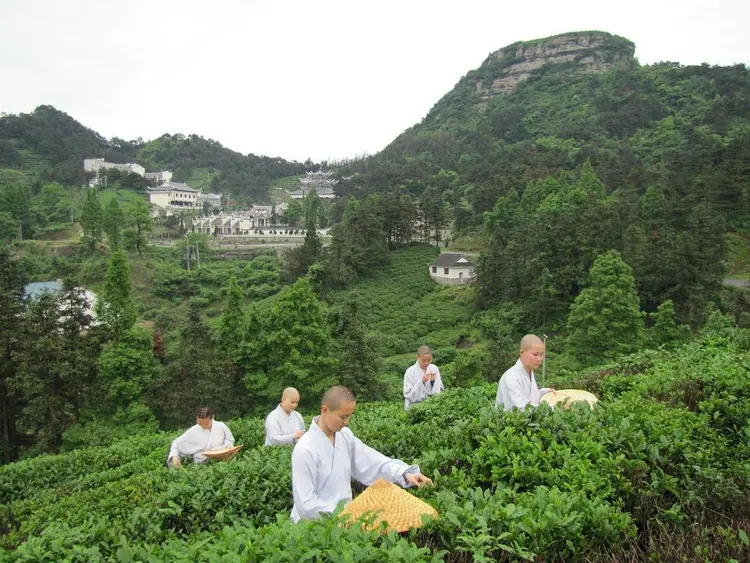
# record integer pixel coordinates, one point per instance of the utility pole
(192, 254)
(544, 360)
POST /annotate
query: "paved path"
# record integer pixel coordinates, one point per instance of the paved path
(733, 282)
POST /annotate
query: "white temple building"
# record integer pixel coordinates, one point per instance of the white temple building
(322, 181)
(240, 223)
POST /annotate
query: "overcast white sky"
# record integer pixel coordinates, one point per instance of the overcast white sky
(305, 78)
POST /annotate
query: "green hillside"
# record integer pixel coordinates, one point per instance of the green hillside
(557, 150)
(48, 145)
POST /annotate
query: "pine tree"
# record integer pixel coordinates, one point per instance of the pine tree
(356, 351)
(57, 366)
(112, 222)
(12, 307)
(115, 307)
(294, 347)
(232, 323)
(196, 375)
(605, 319)
(127, 367)
(665, 332)
(92, 219)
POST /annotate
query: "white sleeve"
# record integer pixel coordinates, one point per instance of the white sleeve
(304, 473)
(174, 451)
(438, 387)
(228, 437)
(411, 387)
(274, 436)
(178, 446)
(516, 393)
(369, 464)
(301, 421)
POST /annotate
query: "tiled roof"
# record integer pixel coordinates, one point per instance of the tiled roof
(449, 259)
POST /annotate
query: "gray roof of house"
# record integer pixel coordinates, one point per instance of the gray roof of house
(36, 289)
(173, 186)
(449, 259)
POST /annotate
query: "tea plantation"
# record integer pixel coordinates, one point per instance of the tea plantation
(659, 471)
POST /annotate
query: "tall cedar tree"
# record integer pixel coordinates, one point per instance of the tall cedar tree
(605, 320)
(92, 219)
(57, 366)
(294, 347)
(12, 308)
(115, 307)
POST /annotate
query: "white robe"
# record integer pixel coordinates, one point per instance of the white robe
(196, 440)
(517, 389)
(280, 427)
(416, 390)
(322, 471)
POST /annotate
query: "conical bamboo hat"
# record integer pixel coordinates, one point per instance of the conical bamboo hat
(392, 504)
(569, 396)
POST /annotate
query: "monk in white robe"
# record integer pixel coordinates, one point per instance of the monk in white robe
(284, 425)
(517, 386)
(421, 380)
(207, 434)
(328, 456)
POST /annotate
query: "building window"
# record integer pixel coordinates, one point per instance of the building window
(446, 271)
(434, 269)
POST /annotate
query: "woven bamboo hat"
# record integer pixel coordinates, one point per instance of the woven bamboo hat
(569, 396)
(392, 504)
(223, 454)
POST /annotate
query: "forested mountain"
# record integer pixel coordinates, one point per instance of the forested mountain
(535, 108)
(49, 146)
(557, 150)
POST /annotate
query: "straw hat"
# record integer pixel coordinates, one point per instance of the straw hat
(569, 396)
(400, 509)
(222, 454)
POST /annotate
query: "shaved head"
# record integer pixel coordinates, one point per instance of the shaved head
(289, 399)
(530, 341)
(336, 396)
(422, 350)
(289, 392)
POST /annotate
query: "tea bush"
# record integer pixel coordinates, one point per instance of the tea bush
(659, 470)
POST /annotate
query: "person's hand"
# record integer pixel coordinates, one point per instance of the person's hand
(417, 479)
(298, 434)
(175, 462)
(433, 375)
(425, 378)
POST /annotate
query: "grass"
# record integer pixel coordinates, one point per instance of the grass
(280, 187)
(471, 243)
(126, 198)
(738, 255)
(404, 307)
(200, 178)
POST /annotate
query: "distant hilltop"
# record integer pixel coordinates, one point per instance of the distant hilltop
(506, 68)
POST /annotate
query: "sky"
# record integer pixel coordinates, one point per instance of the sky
(320, 79)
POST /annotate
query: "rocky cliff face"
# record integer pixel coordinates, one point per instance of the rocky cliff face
(505, 69)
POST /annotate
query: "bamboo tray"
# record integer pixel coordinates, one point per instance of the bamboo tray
(569, 396)
(223, 454)
(391, 504)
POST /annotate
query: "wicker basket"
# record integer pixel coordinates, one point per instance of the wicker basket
(223, 454)
(569, 396)
(391, 504)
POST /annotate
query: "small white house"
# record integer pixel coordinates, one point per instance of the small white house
(452, 269)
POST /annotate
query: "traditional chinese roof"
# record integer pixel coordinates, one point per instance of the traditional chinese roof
(174, 187)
